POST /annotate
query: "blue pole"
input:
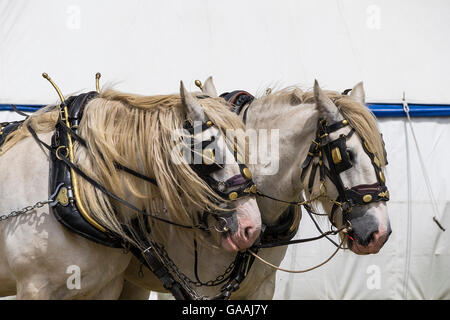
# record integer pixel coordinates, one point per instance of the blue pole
(381, 110)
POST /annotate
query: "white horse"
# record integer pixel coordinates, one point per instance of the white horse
(41, 259)
(296, 115)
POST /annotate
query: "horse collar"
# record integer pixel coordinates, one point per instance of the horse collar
(237, 100)
(284, 229)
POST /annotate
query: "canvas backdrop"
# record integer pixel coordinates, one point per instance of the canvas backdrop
(147, 47)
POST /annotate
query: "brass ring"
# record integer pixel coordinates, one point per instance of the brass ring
(223, 226)
(57, 152)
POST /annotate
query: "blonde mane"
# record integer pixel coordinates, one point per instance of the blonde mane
(136, 131)
(360, 117)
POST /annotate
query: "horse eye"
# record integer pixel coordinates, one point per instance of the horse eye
(350, 154)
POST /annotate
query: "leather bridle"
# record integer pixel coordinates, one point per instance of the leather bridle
(339, 160)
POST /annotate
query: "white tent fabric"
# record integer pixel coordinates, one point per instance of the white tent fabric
(413, 264)
(149, 46)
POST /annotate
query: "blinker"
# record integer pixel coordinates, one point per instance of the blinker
(339, 156)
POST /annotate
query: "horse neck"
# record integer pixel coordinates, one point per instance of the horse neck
(296, 127)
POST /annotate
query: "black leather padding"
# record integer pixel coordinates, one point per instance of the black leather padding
(69, 215)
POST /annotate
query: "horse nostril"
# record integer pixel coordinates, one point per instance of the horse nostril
(248, 232)
(367, 239)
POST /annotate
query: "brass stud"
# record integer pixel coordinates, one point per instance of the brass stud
(377, 162)
(367, 198)
(253, 189)
(233, 196)
(247, 173)
(345, 122)
(209, 123)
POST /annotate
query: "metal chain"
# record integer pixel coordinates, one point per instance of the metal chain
(187, 282)
(27, 209)
(167, 262)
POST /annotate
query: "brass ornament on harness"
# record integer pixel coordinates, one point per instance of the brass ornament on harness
(336, 155)
(382, 178)
(63, 197)
(252, 189)
(58, 155)
(97, 81)
(208, 157)
(233, 196)
(384, 194)
(247, 173)
(377, 162)
(198, 83)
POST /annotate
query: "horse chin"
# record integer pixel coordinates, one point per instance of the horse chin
(362, 250)
(228, 244)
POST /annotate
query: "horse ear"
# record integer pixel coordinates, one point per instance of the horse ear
(358, 94)
(324, 104)
(194, 109)
(296, 97)
(209, 88)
